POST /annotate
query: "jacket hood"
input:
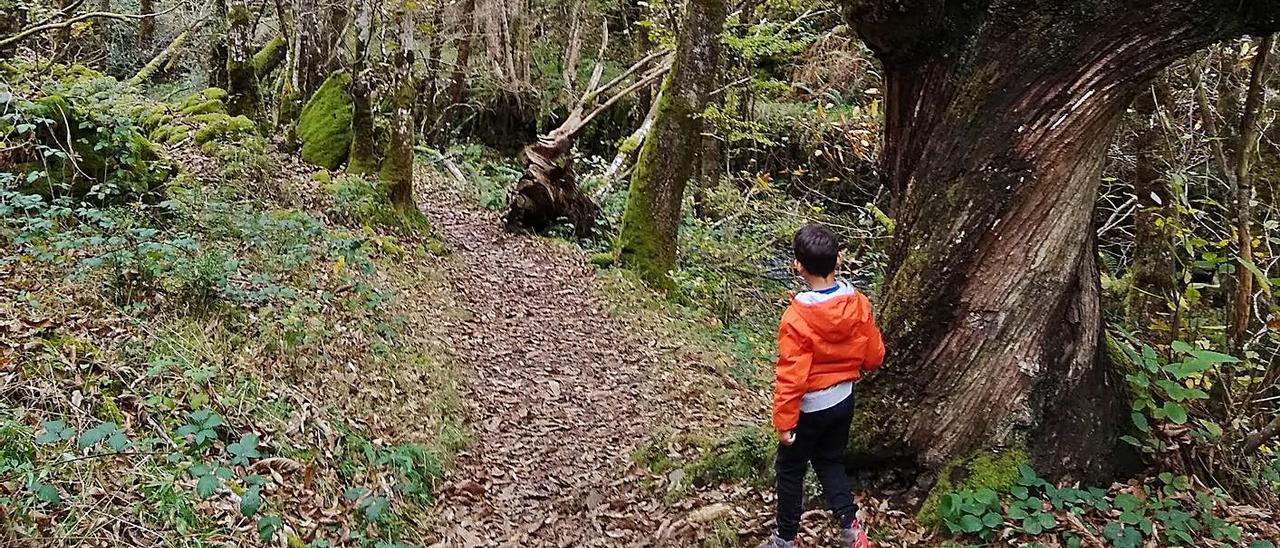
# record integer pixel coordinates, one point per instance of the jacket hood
(833, 315)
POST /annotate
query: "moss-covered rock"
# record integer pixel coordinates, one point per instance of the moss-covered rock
(324, 127)
(222, 127)
(205, 102)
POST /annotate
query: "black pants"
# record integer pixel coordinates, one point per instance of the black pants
(821, 437)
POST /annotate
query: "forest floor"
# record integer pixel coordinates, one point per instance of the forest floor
(578, 383)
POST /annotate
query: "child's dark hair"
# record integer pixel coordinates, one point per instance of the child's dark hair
(816, 249)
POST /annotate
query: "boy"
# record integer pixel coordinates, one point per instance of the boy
(827, 339)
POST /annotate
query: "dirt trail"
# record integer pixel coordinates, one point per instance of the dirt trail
(557, 399)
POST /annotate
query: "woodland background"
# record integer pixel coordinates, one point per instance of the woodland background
(214, 235)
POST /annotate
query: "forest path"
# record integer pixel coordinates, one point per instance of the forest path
(557, 399)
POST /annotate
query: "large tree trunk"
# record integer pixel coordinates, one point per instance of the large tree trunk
(243, 97)
(668, 159)
(1153, 294)
(997, 119)
(397, 167)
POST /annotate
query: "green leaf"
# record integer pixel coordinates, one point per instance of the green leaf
(55, 431)
(1181, 347)
(118, 441)
(1175, 412)
(1140, 421)
(267, 527)
(46, 493)
(1019, 492)
(987, 497)
(970, 523)
(374, 507)
(1047, 521)
(1032, 526)
(245, 449)
(251, 501)
(992, 520)
(946, 505)
(97, 434)
(206, 486)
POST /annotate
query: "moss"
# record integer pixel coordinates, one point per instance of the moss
(219, 126)
(264, 57)
(995, 471)
(204, 102)
(110, 411)
(323, 177)
(603, 260)
(324, 127)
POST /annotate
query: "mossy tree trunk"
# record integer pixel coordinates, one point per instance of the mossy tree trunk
(1151, 303)
(668, 159)
(243, 97)
(364, 156)
(397, 165)
(997, 119)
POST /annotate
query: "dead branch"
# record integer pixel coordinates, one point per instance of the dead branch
(22, 35)
(1269, 431)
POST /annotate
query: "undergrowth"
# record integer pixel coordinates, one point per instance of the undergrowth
(189, 362)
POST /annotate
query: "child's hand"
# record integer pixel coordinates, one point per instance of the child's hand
(787, 437)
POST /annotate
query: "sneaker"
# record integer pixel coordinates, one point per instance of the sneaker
(775, 541)
(854, 536)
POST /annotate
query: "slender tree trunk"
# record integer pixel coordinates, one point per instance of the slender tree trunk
(641, 46)
(668, 159)
(364, 157)
(1153, 294)
(243, 97)
(1242, 304)
(397, 167)
(432, 78)
(218, 46)
(458, 88)
(573, 51)
(991, 304)
(146, 27)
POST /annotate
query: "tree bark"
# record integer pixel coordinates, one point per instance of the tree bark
(147, 26)
(573, 51)
(218, 46)
(243, 97)
(458, 88)
(997, 119)
(1242, 304)
(364, 156)
(1153, 294)
(397, 167)
(651, 221)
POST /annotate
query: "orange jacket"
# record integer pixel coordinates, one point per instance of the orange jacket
(821, 344)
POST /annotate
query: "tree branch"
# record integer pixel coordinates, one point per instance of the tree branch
(83, 17)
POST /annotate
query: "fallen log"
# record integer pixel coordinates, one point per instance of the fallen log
(547, 192)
